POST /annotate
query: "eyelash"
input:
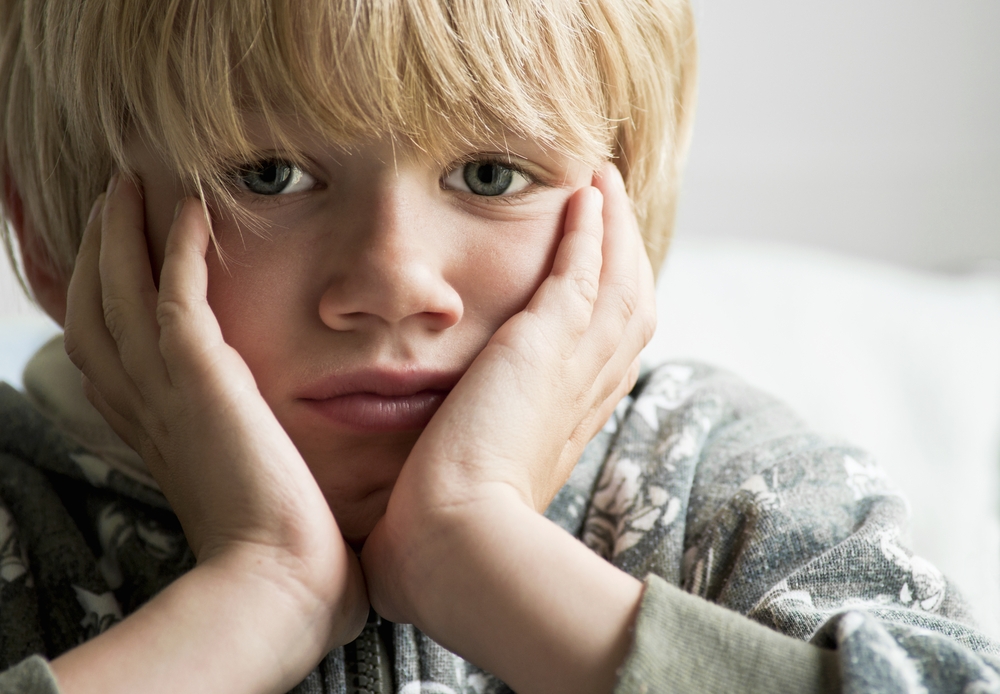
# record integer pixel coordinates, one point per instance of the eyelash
(237, 174)
(534, 182)
(498, 160)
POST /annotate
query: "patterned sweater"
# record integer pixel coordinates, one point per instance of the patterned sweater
(774, 560)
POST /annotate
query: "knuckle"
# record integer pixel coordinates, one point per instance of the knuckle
(152, 427)
(74, 346)
(627, 291)
(170, 313)
(116, 311)
(520, 351)
(647, 324)
(584, 284)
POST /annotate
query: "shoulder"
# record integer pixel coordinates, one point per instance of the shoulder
(741, 446)
(669, 395)
(707, 424)
(722, 491)
(696, 452)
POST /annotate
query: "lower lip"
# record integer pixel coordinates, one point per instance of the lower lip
(371, 413)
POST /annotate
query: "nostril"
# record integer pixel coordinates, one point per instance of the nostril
(371, 294)
(441, 320)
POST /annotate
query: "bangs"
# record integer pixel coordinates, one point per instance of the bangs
(432, 76)
(591, 79)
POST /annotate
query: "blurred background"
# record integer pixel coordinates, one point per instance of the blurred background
(870, 127)
(865, 126)
(838, 245)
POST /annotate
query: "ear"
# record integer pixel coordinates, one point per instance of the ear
(47, 285)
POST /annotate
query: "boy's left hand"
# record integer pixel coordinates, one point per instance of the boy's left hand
(450, 553)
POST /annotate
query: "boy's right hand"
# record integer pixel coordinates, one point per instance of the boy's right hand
(157, 368)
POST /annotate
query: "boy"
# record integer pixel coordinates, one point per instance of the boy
(367, 297)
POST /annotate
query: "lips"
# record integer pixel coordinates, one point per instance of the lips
(380, 401)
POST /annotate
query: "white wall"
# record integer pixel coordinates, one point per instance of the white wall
(868, 126)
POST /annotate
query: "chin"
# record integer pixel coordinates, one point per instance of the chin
(357, 518)
(357, 475)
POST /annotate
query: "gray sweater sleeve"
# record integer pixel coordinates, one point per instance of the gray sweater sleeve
(775, 559)
(30, 676)
(682, 643)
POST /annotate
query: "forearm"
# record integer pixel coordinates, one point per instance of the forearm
(528, 602)
(230, 625)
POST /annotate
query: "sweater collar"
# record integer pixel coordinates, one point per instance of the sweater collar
(54, 385)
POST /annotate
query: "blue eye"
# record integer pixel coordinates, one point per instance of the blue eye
(274, 177)
(486, 177)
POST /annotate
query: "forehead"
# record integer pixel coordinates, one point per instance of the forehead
(431, 77)
(287, 136)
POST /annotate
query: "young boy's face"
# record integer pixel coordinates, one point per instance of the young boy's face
(378, 279)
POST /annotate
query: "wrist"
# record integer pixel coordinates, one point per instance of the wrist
(517, 595)
(233, 623)
(314, 595)
(418, 540)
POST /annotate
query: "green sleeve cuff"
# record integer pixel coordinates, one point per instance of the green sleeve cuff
(683, 643)
(31, 676)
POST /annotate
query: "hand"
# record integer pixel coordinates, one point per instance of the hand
(549, 378)
(552, 375)
(157, 368)
(503, 442)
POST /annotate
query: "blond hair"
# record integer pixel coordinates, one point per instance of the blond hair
(596, 79)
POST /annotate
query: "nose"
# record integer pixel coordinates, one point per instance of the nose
(393, 269)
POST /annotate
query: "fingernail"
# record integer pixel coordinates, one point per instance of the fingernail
(178, 208)
(112, 184)
(96, 208)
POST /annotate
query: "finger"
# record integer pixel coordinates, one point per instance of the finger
(619, 288)
(624, 314)
(118, 423)
(87, 341)
(606, 407)
(188, 327)
(129, 295)
(583, 434)
(567, 295)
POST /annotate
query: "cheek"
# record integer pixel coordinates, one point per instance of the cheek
(253, 301)
(239, 319)
(505, 268)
